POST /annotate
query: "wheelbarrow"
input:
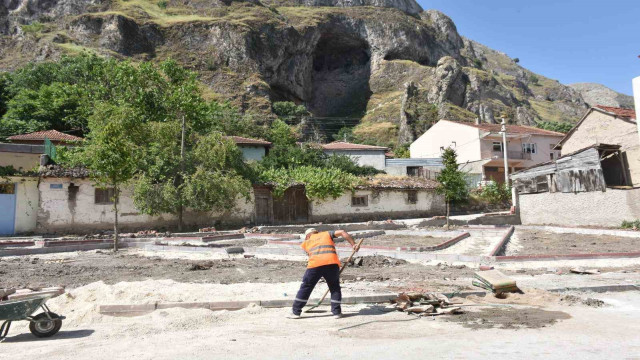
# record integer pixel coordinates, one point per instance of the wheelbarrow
(22, 306)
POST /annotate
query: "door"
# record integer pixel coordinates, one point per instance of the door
(293, 207)
(7, 208)
(264, 205)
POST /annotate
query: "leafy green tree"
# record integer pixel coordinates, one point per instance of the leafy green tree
(346, 164)
(402, 152)
(345, 134)
(451, 180)
(534, 79)
(112, 150)
(289, 109)
(496, 193)
(211, 176)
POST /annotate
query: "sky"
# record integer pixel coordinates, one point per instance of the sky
(567, 40)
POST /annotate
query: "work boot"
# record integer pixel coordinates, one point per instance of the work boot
(291, 315)
(338, 316)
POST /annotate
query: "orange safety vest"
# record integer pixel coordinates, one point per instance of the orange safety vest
(321, 250)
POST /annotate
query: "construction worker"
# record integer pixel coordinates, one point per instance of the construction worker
(323, 263)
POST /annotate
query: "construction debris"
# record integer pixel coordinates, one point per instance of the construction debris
(585, 271)
(495, 281)
(207, 230)
(425, 304)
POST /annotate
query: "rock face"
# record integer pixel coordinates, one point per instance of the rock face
(342, 59)
(597, 94)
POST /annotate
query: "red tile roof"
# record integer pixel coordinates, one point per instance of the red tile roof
(513, 129)
(52, 135)
(625, 113)
(247, 141)
(341, 145)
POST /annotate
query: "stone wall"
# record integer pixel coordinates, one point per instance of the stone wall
(382, 205)
(596, 208)
(75, 210)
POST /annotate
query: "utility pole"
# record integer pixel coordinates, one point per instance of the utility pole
(636, 95)
(503, 130)
(180, 209)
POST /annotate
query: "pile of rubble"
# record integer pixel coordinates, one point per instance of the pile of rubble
(429, 304)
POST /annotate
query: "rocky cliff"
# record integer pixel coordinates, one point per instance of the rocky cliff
(386, 64)
(597, 94)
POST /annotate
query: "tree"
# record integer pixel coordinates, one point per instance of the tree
(111, 151)
(287, 109)
(452, 181)
(211, 177)
(534, 79)
(516, 60)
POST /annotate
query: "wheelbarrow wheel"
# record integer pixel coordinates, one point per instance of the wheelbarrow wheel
(44, 327)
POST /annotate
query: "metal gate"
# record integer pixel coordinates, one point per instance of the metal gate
(7, 208)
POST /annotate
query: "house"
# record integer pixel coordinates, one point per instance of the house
(66, 200)
(22, 157)
(583, 188)
(479, 147)
(38, 138)
(363, 155)
(252, 149)
(23, 151)
(608, 125)
(70, 202)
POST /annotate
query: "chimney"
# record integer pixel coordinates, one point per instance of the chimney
(636, 95)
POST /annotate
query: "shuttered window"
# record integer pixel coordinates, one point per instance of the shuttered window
(412, 196)
(104, 196)
(360, 200)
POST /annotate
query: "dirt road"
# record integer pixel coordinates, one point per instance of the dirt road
(366, 332)
(538, 242)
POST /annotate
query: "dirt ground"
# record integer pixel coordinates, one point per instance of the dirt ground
(404, 240)
(536, 242)
(507, 318)
(88, 267)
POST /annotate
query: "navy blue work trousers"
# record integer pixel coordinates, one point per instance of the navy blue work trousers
(331, 274)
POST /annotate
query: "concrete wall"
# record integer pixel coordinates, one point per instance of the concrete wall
(24, 161)
(598, 127)
(383, 204)
(596, 208)
(363, 158)
(443, 133)
(252, 153)
(60, 213)
(26, 203)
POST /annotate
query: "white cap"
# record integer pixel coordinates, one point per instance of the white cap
(310, 231)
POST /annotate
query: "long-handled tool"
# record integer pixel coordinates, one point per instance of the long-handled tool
(340, 273)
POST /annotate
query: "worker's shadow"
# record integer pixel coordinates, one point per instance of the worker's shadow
(28, 337)
(370, 310)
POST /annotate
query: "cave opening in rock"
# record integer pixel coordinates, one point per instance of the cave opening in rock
(340, 76)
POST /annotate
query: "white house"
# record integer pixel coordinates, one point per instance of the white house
(479, 146)
(363, 155)
(252, 149)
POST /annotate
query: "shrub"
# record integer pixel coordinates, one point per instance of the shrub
(163, 4)
(34, 27)
(477, 63)
(534, 79)
(496, 193)
(516, 60)
(634, 224)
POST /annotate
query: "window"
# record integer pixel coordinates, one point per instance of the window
(550, 156)
(413, 170)
(497, 146)
(104, 196)
(412, 196)
(360, 200)
(528, 148)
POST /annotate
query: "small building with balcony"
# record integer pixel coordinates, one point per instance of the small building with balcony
(480, 148)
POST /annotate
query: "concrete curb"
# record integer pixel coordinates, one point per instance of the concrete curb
(546, 257)
(441, 246)
(500, 247)
(237, 305)
(600, 288)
